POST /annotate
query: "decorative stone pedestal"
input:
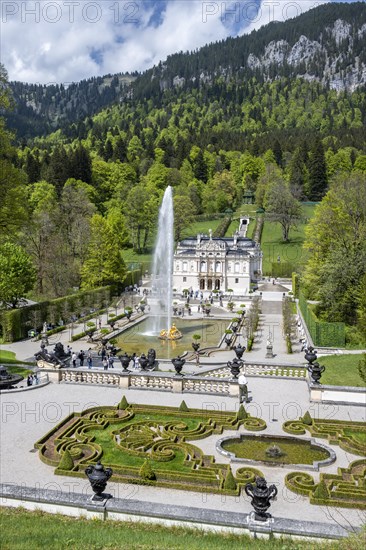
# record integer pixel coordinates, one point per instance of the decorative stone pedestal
(269, 353)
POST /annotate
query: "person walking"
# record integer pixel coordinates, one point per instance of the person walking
(105, 363)
(243, 388)
(110, 361)
(137, 363)
(89, 360)
(73, 359)
(81, 357)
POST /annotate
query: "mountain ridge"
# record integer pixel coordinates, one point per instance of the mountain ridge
(326, 44)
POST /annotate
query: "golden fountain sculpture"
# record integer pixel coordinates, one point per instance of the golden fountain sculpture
(172, 334)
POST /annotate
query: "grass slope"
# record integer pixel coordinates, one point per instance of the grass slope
(22, 530)
(342, 370)
(274, 247)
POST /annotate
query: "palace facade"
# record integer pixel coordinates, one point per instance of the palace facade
(210, 263)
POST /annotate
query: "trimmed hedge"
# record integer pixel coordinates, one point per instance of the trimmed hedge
(16, 323)
(295, 284)
(200, 472)
(223, 226)
(336, 431)
(345, 489)
(323, 334)
(282, 269)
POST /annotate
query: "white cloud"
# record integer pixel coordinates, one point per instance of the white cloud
(69, 40)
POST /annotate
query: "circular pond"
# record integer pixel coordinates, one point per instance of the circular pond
(276, 451)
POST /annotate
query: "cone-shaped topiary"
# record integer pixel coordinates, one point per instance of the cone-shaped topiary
(146, 471)
(321, 492)
(306, 419)
(66, 462)
(183, 407)
(123, 404)
(242, 413)
(230, 482)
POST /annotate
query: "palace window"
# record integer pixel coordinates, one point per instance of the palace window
(203, 266)
(237, 267)
(218, 266)
(185, 266)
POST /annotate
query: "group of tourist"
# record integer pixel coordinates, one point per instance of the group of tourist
(32, 379)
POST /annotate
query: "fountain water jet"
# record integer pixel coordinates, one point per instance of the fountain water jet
(162, 291)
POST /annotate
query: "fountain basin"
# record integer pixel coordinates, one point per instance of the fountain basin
(138, 338)
(8, 380)
(304, 454)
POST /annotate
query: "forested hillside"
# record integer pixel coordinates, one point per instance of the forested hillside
(325, 45)
(73, 201)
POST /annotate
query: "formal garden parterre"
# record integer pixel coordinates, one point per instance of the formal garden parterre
(148, 445)
(152, 445)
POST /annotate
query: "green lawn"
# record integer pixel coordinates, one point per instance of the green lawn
(19, 527)
(202, 227)
(274, 247)
(9, 358)
(341, 370)
(14, 369)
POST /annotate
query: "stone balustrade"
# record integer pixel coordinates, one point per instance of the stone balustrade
(151, 381)
(282, 371)
(218, 381)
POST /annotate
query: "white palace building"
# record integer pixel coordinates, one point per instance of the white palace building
(210, 263)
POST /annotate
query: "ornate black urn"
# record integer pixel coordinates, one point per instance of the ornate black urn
(310, 355)
(142, 308)
(313, 366)
(316, 372)
(178, 363)
(234, 328)
(261, 495)
(196, 346)
(143, 361)
(235, 367)
(112, 324)
(128, 315)
(125, 361)
(239, 350)
(98, 477)
(228, 340)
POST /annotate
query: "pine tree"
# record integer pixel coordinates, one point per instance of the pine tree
(80, 164)
(318, 180)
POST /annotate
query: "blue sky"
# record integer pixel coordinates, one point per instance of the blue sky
(63, 41)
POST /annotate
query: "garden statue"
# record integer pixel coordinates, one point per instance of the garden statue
(261, 495)
(55, 360)
(151, 357)
(172, 334)
(269, 348)
(98, 477)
